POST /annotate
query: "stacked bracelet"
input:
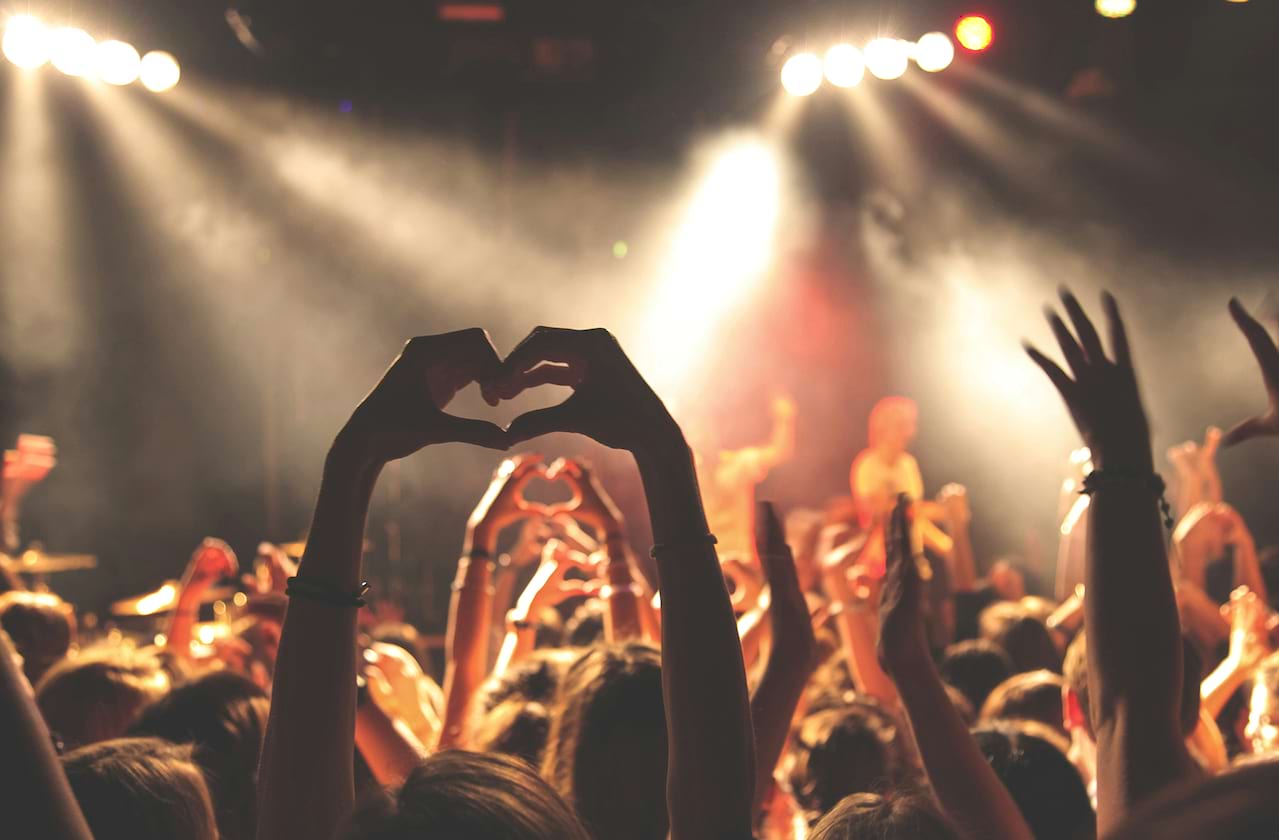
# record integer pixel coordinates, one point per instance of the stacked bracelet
(659, 548)
(1153, 482)
(326, 593)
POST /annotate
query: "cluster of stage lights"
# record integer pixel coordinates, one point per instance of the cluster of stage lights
(844, 65)
(29, 43)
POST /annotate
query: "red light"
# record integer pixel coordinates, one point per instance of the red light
(974, 33)
(472, 12)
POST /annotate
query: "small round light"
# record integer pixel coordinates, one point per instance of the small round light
(802, 74)
(845, 66)
(159, 71)
(116, 62)
(974, 32)
(934, 52)
(26, 42)
(621, 249)
(887, 58)
(72, 51)
(1115, 8)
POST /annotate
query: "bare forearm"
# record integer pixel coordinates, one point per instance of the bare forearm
(1248, 569)
(470, 615)
(388, 747)
(622, 597)
(772, 709)
(963, 564)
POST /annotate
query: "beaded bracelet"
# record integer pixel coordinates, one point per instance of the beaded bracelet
(325, 593)
(1154, 482)
(705, 539)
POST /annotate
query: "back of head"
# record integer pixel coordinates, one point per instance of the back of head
(1046, 787)
(222, 715)
(975, 667)
(606, 753)
(42, 627)
(142, 789)
(1036, 695)
(843, 751)
(455, 794)
(1026, 639)
(99, 694)
(515, 727)
(902, 816)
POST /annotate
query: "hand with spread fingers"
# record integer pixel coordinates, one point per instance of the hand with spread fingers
(1267, 353)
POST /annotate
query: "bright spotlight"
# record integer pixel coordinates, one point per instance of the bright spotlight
(887, 58)
(26, 42)
(845, 66)
(72, 51)
(1115, 8)
(159, 71)
(116, 62)
(934, 52)
(802, 74)
(974, 32)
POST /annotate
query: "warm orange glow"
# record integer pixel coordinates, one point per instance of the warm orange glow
(974, 32)
(472, 12)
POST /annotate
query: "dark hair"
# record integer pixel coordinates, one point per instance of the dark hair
(99, 694)
(900, 816)
(456, 794)
(534, 679)
(1075, 670)
(222, 715)
(975, 667)
(1026, 639)
(141, 789)
(585, 626)
(606, 753)
(838, 752)
(516, 728)
(41, 626)
(1047, 788)
(1035, 695)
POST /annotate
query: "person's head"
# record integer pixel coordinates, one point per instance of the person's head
(893, 423)
(975, 667)
(514, 727)
(585, 626)
(142, 789)
(898, 816)
(1027, 640)
(606, 752)
(456, 794)
(842, 751)
(1077, 711)
(1007, 580)
(41, 626)
(1034, 695)
(1047, 788)
(1262, 730)
(99, 694)
(222, 715)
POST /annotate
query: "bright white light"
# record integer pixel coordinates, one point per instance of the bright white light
(26, 42)
(845, 66)
(802, 74)
(72, 51)
(1116, 8)
(934, 52)
(159, 71)
(887, 58)
(116, 62)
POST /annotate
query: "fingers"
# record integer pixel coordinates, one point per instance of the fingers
(543, 421)
(1248, 429)
(770, 539)
(1064, 384)
(1088, 337)
(477, 432)
(1118, 333)
(514, 384)
(544, 344)
(1070, 348)
(1263, 347)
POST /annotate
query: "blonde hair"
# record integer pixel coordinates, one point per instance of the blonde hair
(99, 694)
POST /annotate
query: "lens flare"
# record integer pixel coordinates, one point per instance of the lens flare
(26, 42)
(72, 51)
(887, 58)
(159, 71)
(934, 52)
(802, 74)
(1115, 8)
(974, 32)
(116, 62)
(845, 66)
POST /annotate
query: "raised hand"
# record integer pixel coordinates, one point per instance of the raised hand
(212, 560)
(503, 503)
(1102, 398)
(405, 411)
(902, 637)
(1263, 347)
(591, 503)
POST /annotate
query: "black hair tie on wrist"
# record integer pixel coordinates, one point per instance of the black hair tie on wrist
(704, 539)
(1098, 479)
(326, 593)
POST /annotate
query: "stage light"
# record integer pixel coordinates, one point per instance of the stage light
(72, 51)
(934, 52)
(621, 249)
(1115, 8)
(887, 58)
(26, 42)
(159, 71)
(974, 32)
(802, 74)
(845, 66)
(116, 62)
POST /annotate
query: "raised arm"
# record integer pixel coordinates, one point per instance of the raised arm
(1263, 347)
(710, 774)
(1134, 651)
(211, 561)
(964, 782)
(306, 780)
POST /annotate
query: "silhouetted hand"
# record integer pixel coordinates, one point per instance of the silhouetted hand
(901, 600)
(405, 411)
(1103, 398)
(788, 609)
(1263, 347)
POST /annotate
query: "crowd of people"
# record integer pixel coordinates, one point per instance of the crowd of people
(848, 673)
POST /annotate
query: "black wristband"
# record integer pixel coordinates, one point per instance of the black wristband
(1152, 481)
(705, 539)
(324, 593)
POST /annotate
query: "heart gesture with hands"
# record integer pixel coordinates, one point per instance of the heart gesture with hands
(503, 503)
(550, 587)
(591, 503)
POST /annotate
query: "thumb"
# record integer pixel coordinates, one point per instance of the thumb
(543, 421)
(477, 432)
(1248, 429)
